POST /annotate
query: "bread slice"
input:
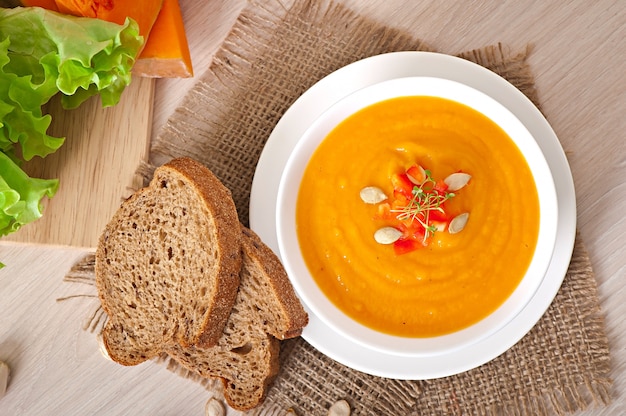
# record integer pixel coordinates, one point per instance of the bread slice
(167, 264)
(266, 310)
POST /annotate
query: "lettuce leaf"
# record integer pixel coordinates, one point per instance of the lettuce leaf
(44, 53)
(20, 195)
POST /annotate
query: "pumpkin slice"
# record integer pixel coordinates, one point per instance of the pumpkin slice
(144, 12)
(166, 52)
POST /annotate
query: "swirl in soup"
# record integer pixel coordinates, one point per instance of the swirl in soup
(450, 280)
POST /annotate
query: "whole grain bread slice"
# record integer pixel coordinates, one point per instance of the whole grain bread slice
(167, 264)
(266, 310)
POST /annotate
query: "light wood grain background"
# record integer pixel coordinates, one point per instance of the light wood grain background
(579, 60)
(96, 166)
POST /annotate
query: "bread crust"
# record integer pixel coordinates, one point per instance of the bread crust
(295, 317)
(246, 358)
(131, 309)
(178, 242)
(219, 200)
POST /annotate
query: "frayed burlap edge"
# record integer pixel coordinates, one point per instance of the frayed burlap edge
(226, 118)
(510, 66)
(202, 128)
(82, 274)
(522, 381)
(551, 371)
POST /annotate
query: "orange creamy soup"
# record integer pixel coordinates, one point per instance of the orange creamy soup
(454, 280)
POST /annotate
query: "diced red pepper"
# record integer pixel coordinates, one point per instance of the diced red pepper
(400, 200)
(403, 246)
(411, 230)
(440, 225)
(416, 172)
(409, 212)
(441, 186)
(438, 216)
(402, 184)
(384, 212)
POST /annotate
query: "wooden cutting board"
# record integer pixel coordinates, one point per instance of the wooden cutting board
(95, 166)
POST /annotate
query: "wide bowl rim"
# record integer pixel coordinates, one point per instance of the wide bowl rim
(305, 285)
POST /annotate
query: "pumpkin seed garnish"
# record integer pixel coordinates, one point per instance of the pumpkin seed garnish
(424, 200)
(372, 195)
(415, 207)
(387, 235)
(458, 223)
(457, 181)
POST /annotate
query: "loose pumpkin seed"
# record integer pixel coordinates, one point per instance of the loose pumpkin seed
(214, 407)
(102, 348)
(340, 408)
(4, 378)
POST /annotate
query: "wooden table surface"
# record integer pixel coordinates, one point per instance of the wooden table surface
(579, 60)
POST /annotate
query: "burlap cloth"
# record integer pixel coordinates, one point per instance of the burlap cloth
(273, 54)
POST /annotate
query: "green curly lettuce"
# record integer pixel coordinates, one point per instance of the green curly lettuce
(21, 195)
(44, 53)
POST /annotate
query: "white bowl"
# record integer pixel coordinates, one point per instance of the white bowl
(307, 288)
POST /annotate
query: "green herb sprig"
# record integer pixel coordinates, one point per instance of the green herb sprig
(425, 199)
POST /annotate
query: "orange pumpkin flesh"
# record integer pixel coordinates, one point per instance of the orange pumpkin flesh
(166, 53)
(116, 11)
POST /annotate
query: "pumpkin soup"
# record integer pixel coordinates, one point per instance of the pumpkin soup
(466, 222)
